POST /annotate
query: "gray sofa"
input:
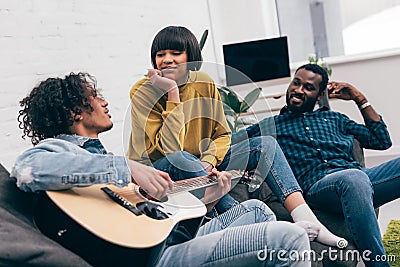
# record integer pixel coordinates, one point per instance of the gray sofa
(22, 244)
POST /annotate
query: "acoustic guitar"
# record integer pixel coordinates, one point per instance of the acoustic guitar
(142, 222)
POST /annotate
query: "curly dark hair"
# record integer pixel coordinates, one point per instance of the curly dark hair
(49, 108)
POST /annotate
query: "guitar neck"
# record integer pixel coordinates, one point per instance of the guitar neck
(199, 182)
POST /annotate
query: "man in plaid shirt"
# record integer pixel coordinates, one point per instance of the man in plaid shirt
(318, 145)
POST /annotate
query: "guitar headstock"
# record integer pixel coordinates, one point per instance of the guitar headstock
(250, 179)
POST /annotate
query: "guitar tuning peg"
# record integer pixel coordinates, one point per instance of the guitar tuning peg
(253, 187)
(61, 232)
(251, 180)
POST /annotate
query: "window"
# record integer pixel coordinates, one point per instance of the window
(335, 28)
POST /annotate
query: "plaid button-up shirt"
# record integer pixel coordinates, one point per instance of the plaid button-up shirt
(318, 141)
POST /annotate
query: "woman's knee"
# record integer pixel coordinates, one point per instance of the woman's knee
(183, 165)
(180, 155)
(183, 158)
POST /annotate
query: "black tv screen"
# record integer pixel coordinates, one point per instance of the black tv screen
(261, 60)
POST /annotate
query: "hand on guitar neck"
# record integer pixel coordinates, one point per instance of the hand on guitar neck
(214, 193)
(158, 183)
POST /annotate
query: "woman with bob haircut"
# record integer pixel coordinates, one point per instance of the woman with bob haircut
(179, 126)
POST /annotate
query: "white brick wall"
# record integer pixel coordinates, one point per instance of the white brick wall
(109, 39)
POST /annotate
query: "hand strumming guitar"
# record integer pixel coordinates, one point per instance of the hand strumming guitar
(155, 182)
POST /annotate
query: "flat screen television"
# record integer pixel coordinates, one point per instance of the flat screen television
(261, 60)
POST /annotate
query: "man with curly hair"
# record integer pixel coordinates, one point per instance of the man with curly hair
(59, 112)
(63, 118)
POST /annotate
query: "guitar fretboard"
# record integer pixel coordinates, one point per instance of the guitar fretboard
(193, 183)
(199, 182)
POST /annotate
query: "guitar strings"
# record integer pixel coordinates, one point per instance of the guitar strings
(184, 185)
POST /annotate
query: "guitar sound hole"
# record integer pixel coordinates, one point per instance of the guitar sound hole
(151, 210)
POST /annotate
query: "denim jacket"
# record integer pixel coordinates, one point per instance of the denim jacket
(66, 161)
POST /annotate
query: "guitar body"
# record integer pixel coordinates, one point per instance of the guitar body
(86, 221)
(95, 211)
(122, 228)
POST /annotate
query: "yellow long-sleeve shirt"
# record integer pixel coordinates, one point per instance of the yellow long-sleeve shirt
(196, 125)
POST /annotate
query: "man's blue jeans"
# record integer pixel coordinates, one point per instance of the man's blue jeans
(246, 235)
(260, 154)
(355, 193)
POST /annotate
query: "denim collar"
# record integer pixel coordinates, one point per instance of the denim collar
(74, 138)
(92, 145)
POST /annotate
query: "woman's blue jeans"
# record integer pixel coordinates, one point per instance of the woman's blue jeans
(355, 193)
(260, 154)
(263, 155)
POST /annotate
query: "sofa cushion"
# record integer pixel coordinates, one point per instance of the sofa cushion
(22, 244)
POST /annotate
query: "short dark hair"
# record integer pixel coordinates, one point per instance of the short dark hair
(317, 69)
(177, 38)
(46, 111)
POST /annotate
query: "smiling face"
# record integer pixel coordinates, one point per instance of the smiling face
(172, 46)
(303, 91)
(172, 64)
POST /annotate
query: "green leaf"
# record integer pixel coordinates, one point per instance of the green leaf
(228, 110)
(203, 39)
(230, 98)
(225, 89)
(233, 101)
(223, 95)
(250, 99)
